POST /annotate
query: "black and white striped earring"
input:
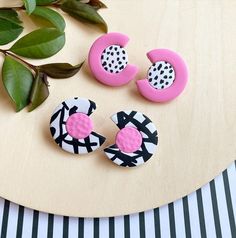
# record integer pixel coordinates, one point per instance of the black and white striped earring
(72, 128)
(136, 141)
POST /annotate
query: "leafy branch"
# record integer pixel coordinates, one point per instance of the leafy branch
(27, 84)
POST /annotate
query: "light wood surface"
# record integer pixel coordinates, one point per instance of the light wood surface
(197, 131)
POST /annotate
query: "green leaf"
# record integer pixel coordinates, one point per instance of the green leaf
(39, 92)
(60, 70)
(9, 31)
(29, 5)
(83, 12)
(10, 15)
(51, 16)
(40, 44)
(44, 2)
(17, 80)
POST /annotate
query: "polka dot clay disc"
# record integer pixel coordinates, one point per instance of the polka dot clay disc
(161, 75)
(114, 59)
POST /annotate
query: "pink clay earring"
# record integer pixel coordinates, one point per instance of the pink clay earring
(136, 141)
(108, 60)
(72, 128)
(167, 77)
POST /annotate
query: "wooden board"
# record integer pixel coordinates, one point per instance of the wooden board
(197, 131)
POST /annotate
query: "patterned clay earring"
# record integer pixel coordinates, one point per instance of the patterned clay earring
(136, 141)
(167, 77)
(108, 60)
(72, 128)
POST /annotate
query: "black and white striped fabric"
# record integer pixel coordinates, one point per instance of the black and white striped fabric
(208, 212)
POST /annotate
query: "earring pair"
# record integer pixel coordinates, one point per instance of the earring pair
(166, 77)
(72, 129)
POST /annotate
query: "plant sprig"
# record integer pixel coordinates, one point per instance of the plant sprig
(25, 83)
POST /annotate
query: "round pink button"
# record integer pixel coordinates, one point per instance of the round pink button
(128, 139)
(79, 125)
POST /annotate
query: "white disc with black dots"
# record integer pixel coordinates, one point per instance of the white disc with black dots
(161, 75)
(114, 59)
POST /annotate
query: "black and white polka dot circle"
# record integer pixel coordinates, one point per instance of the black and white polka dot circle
(72, 128)
(161, 75)
(114, 59)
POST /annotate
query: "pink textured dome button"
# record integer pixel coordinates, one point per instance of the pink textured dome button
(79, 125)
(128, 139)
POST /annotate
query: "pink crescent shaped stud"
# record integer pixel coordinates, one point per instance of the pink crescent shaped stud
(108, 60)
(167, 77)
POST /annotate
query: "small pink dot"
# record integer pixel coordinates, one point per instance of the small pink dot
(128, 140)
(79, 125)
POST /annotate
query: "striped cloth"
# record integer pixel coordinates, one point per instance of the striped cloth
(208, 212)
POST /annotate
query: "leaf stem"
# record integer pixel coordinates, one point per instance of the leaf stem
(14, 8)
(3, 51)
(56, 5)
(7, 52)
(19, 8)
